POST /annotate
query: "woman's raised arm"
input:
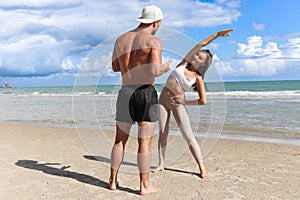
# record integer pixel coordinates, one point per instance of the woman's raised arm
(205, 42)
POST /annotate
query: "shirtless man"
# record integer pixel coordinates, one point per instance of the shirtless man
(138, 56)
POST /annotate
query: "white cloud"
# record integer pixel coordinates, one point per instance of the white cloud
(292, 48)
(68, 65)
(37, 4)
(202, 14)
(35, 55)
(261, 59)
(255, 48)
(223, 67)
(96, 66)
(39, 36)
(259, 27)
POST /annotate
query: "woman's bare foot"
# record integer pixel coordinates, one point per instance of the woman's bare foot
(158, 168)
(113, 185)
(148, 190)
(203, 173)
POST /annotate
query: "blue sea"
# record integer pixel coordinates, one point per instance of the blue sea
(267, 111)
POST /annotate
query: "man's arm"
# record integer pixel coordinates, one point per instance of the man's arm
(155, 59)
(115, 62)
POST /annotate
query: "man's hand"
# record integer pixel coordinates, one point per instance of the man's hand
(167, 65)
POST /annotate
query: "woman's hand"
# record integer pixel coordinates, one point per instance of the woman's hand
(225, 32)
(179, 99)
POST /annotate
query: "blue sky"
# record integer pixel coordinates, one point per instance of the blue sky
(57, 43)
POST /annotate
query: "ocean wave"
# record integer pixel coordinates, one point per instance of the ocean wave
(258, 94)
(288, 94)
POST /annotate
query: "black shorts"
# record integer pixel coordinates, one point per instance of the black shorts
(136, 103)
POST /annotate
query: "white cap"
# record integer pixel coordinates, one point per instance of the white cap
(150, 14)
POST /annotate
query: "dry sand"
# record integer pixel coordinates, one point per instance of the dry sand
(52, 163)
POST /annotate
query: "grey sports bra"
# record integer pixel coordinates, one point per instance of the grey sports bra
(183, 81)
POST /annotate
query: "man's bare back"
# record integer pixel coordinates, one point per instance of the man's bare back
(137, 54)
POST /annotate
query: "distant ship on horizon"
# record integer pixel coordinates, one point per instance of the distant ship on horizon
(5, 86)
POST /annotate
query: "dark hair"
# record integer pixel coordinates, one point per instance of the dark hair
(202, 69)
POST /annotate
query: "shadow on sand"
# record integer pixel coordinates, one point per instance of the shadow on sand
(183, 171)
(106, 160)
(63, 172)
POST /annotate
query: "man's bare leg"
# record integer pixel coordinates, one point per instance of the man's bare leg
(145, 133)
(117, 153)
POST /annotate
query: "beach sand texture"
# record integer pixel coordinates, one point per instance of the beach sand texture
(52, 163)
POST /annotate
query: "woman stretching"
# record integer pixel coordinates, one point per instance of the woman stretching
(188, 73)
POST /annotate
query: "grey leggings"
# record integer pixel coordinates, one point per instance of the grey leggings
(167, 104)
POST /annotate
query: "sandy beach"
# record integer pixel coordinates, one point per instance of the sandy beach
(39, 162)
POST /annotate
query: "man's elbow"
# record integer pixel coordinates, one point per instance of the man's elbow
(157, 73)
(115, 68)
(115, 65)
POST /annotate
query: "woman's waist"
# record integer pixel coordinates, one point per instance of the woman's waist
(172, 92)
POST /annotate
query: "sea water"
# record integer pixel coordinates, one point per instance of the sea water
(236, 110)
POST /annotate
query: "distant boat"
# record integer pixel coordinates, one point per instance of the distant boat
(5, 86)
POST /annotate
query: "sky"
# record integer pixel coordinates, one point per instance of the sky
(62, 43)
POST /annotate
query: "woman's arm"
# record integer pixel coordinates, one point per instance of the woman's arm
(203, 43)
(201, 92)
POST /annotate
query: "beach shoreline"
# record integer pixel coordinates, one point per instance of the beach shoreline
(226, 134)
(40, 162)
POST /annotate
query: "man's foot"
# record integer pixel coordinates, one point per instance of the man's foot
(113, 185)
(158, 168)
(148, 190)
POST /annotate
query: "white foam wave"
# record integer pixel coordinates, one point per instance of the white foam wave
(292, 94)
(268, 94)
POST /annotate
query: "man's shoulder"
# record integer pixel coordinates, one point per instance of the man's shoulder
(155, 41)
(148, 37)
(127, 34)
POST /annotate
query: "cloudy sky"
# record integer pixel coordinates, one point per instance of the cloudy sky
(51, 42)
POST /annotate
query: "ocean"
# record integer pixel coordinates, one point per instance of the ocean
(267, 111)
